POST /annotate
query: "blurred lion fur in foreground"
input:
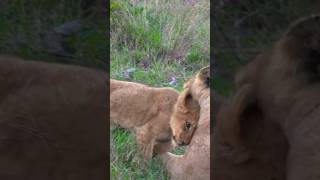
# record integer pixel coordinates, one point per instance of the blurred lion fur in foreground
(270, 128)
(52, 121)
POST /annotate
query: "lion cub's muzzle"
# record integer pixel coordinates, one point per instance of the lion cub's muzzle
(180, 143)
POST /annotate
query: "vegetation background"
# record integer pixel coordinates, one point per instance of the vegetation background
(158, 43)
(65, 31)
(243, 29)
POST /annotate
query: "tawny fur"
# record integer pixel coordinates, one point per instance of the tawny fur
(52, 121)
(145, 109)
(195, 163)
(270, 128)
(185, 118)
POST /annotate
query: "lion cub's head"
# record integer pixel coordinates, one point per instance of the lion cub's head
(186, 112)
(185, 118)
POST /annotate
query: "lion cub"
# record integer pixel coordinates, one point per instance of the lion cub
(194, 128)
(145, 109)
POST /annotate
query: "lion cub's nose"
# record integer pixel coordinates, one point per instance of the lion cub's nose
(174, 137)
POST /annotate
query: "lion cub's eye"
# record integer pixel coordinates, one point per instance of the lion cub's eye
(188, 125)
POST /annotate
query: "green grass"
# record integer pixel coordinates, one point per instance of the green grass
(125, 161)
(158, 43)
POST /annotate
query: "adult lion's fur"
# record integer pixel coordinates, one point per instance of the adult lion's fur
(270, 128)
(52, 121)
(195, 163)
(145, 109)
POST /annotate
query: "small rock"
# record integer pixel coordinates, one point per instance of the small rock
(128, 74)
(173, 81)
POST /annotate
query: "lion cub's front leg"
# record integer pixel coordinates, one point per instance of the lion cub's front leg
(145, 141)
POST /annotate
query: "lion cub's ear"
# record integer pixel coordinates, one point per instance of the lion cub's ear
(187, 100)
(229, 125)
(188, 84)
(306, 31)
(204, 75)
(302, 42)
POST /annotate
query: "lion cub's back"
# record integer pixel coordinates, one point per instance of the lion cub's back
(131, 104)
